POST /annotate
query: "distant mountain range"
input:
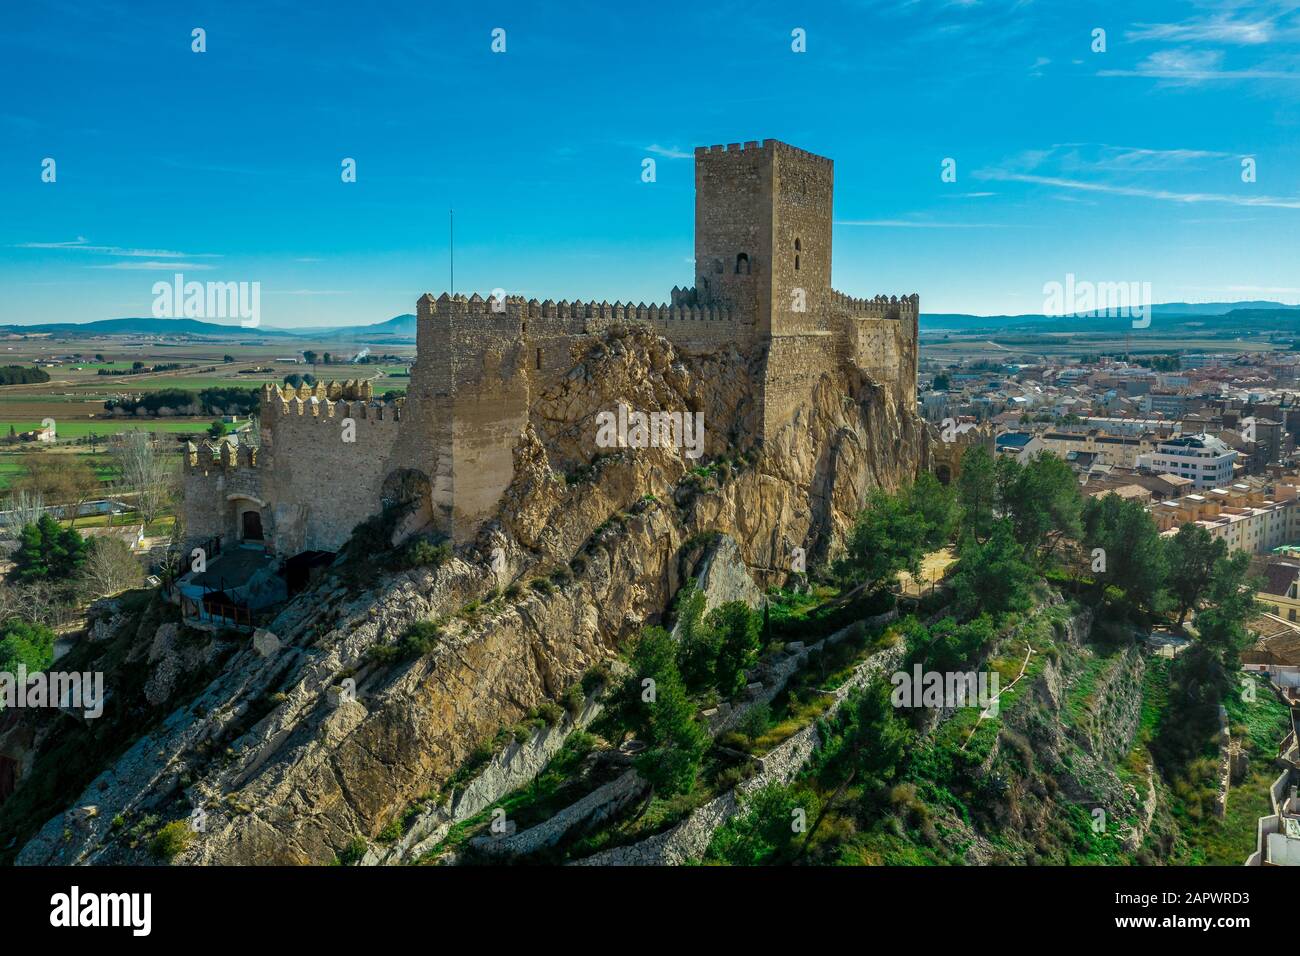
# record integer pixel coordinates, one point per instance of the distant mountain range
(401, 328)
(398, 328)
(1213, 315)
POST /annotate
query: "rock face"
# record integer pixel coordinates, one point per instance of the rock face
(285, 777)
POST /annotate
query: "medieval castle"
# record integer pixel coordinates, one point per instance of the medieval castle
(763, 215)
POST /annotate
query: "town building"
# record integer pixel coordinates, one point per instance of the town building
(1204, 459)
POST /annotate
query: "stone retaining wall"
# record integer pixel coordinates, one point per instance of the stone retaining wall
(689, 839)
(601, 804)
(780, 673)
(513, 767)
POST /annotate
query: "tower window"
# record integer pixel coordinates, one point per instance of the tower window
(539, 358)
(798, 247)
(742, 264)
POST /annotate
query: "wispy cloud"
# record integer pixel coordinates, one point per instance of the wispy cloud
(1197, 66)
(1143, 159)
(918, 224)
(1248, 289)
(309, 292)
(170, 265)
(669, 152)
(1219, 28)
(80, 245)
(1168, 195)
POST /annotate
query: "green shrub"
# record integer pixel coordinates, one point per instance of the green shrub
(31, 645)
(736, 741)
(596, 677)
(755, 721)
(351, 854)
(419, 639)
(574, 699)
(424, 553)
(171, 839)
(522, 732)
(550, 712)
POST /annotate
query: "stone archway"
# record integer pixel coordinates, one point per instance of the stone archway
(246, 518)
(250, 526)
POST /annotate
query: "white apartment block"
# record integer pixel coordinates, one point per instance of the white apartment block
(1206, 460)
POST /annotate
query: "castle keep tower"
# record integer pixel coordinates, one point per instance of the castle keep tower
(763, 233)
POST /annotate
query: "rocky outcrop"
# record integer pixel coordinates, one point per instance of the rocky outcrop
(294, 755)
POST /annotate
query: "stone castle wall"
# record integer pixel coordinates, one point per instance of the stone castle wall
(310, 486)
(320, 486)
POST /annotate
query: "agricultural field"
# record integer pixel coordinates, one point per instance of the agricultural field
(75, 395)
(951, 347)
(13, 467)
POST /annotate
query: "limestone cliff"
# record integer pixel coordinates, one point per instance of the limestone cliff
(288, 768)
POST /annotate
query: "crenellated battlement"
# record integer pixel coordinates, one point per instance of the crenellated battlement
(769, 146)
(879, 307)
(324, 409)
(352, 389)
(517, 307)
(225, 456)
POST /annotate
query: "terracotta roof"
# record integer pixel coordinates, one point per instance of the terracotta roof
(1279, 642)
(1278, 577)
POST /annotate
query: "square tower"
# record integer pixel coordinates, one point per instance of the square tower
(763, 233)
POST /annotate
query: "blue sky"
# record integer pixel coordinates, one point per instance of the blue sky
(225, 165)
